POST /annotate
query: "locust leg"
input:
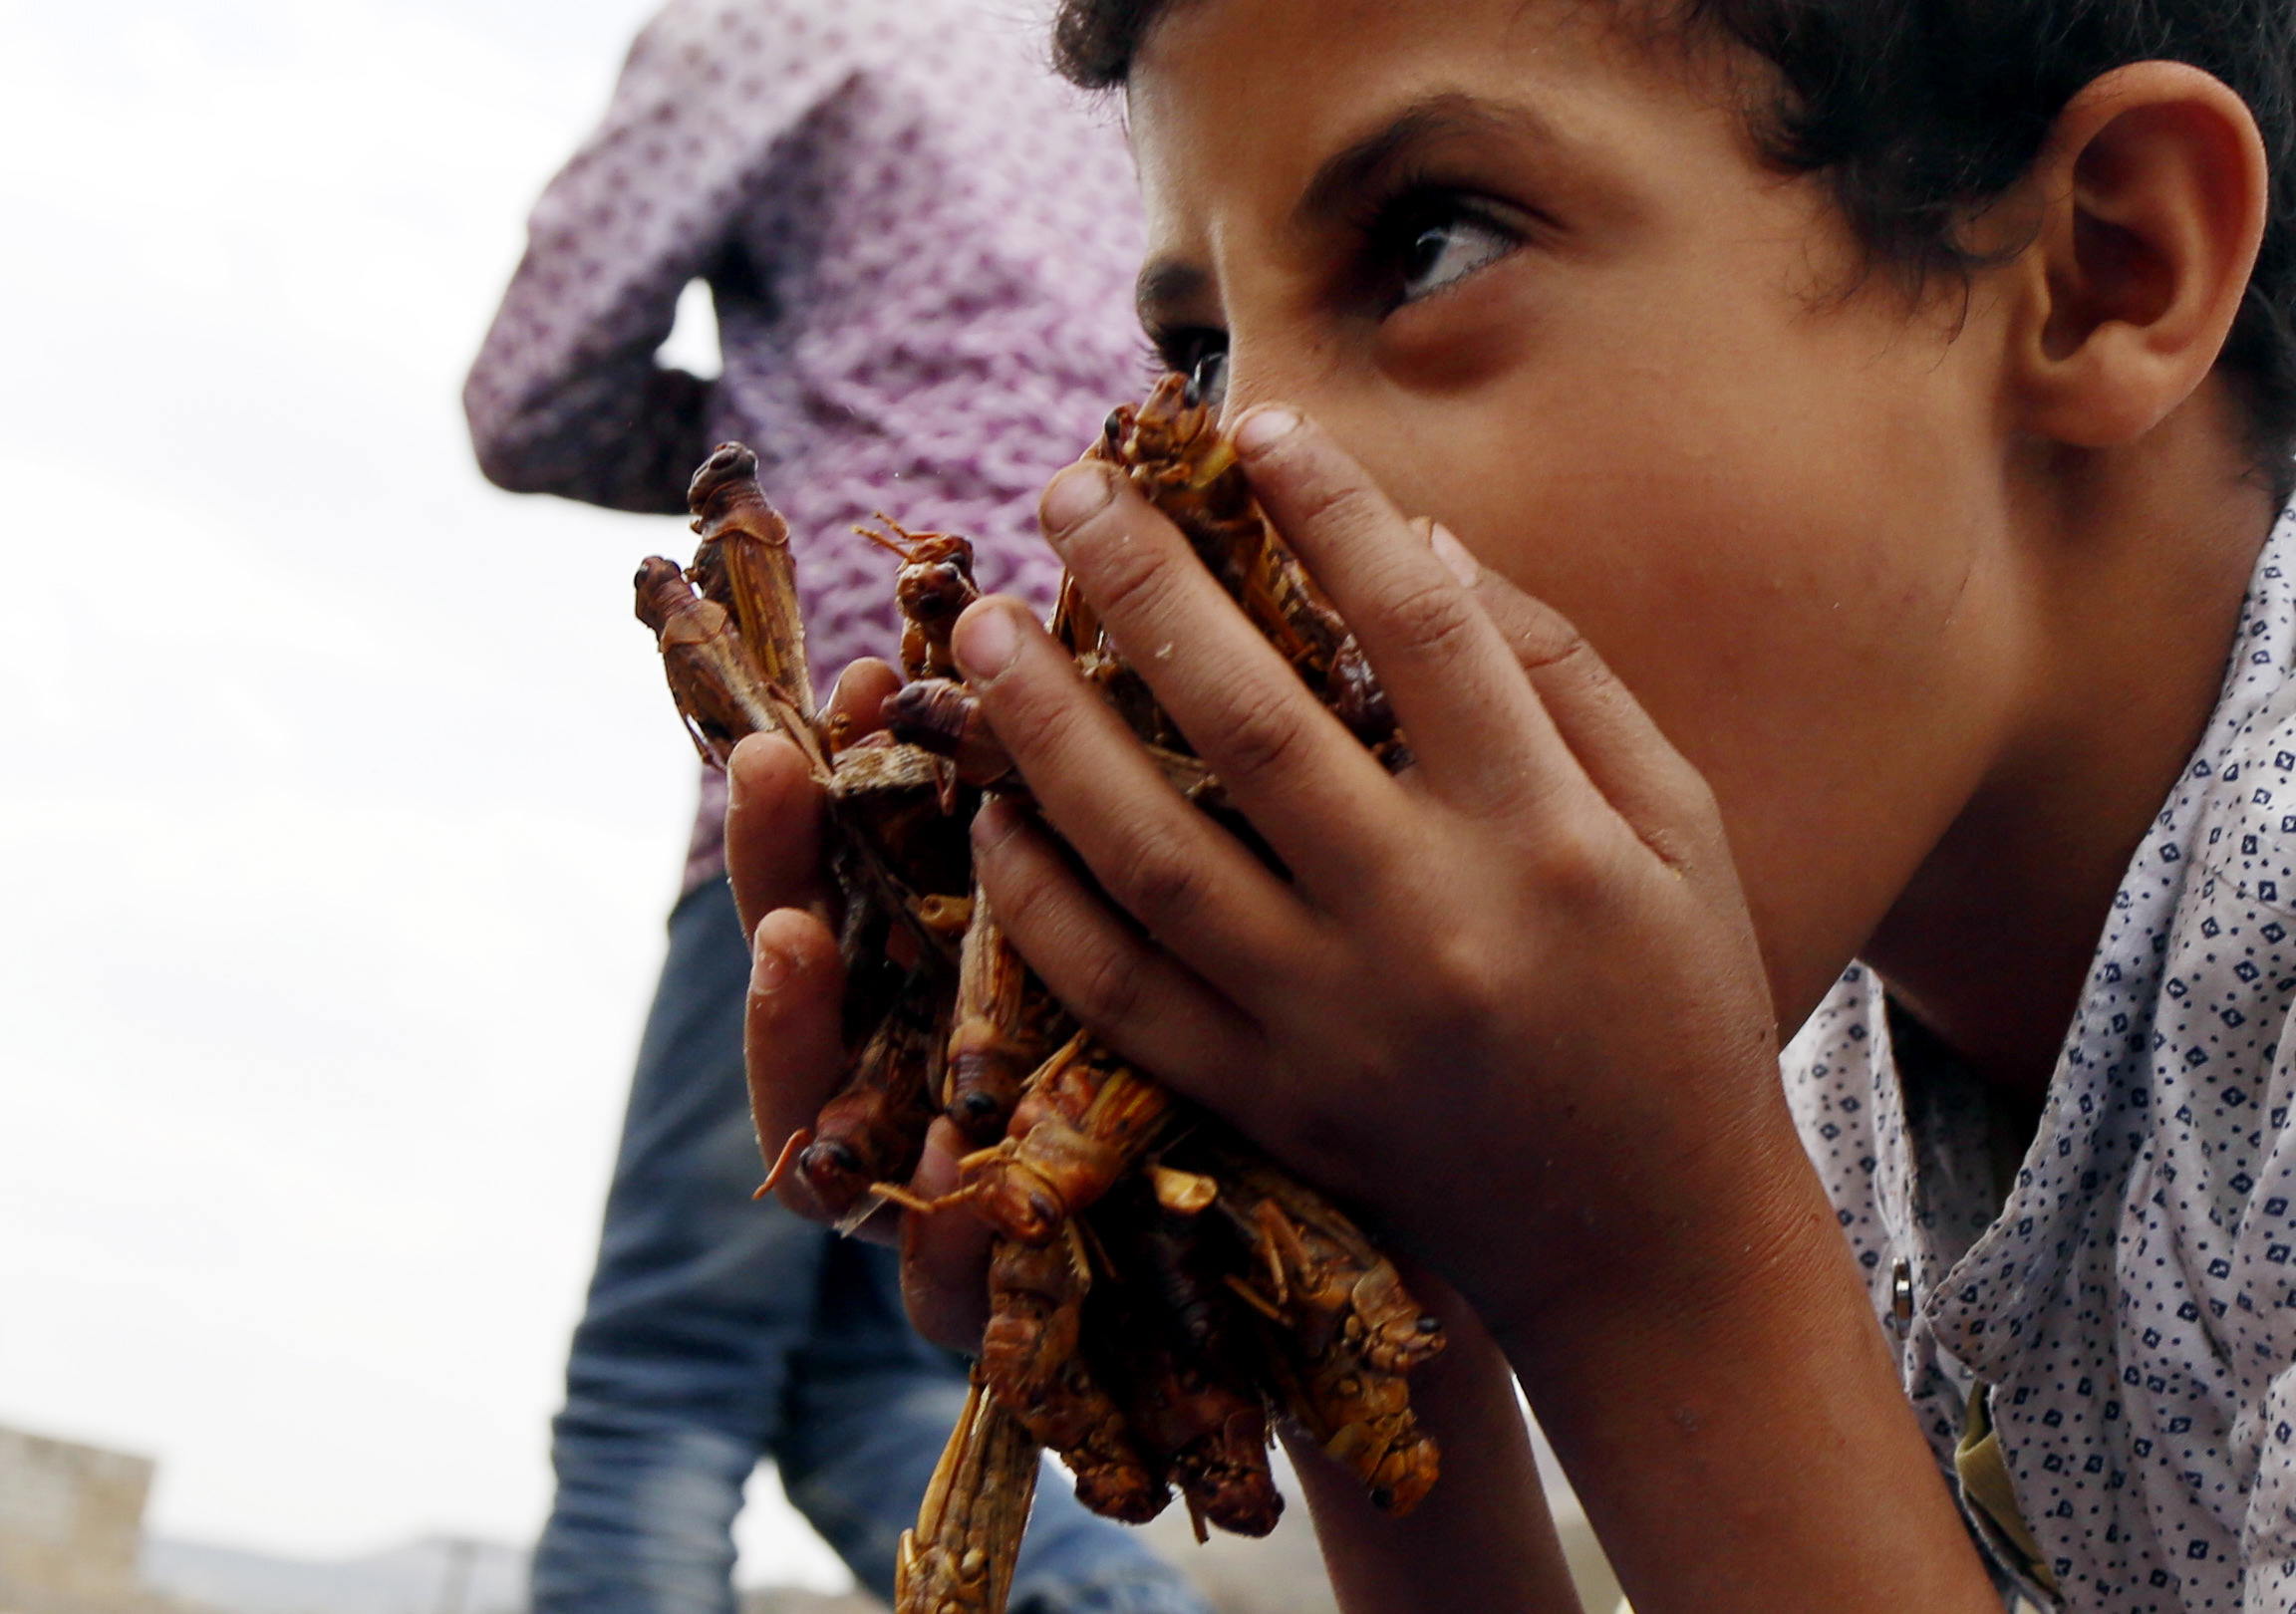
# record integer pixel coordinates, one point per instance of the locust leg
(1032, 1356)
(959, 1557)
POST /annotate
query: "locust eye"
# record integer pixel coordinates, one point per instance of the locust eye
(826, 1158)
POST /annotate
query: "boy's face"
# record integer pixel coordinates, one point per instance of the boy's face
(1531, 271)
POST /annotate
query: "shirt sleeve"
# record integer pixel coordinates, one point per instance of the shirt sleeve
(565, 397)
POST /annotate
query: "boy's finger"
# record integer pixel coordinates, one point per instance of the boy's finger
(860, 695)
(945, 1256)
(1127, 992)
(1302, 779)
(773, 852)
(1635, 767)
(792, 1036)
(1474, 723)
(1191, 883)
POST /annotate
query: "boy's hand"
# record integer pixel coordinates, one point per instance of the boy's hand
(1495, 991)
(789, 905)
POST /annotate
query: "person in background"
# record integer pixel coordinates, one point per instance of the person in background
(920, 246)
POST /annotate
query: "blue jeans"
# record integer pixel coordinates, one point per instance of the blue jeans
(720, 1330)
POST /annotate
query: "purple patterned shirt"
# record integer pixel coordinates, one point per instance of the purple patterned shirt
(921, 248)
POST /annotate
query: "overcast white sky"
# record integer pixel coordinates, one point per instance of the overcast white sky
(340, 800)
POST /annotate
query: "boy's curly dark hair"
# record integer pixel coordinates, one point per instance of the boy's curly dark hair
(1921, 113)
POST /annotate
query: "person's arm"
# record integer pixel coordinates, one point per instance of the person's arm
(565, 397)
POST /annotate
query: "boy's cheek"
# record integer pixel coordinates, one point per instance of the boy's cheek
(1467, 341)
(1806, 607)
(1712, 513)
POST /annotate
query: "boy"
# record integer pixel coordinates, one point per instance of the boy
(1897, 396)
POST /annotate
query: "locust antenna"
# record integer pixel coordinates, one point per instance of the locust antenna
(781, 1162)
(907, 553)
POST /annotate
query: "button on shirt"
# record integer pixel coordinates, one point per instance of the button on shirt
(921, 246)
(2129, 1313)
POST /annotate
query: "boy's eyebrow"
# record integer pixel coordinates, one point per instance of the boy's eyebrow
(1166, 284)
(1435, 118)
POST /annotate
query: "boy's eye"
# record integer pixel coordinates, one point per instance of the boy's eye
(1444, 253)
(1436, 239)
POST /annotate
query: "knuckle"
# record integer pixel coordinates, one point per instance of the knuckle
(1576, 867)
(1691, 837)
(1429, 622)
(1553, 645)
(1465, 978)
(1130, 578)
(1163, 886)
(1038, 723)
(1547, 645)
(1326, 496)
(1027, 901)
(1693, 798)
(1259, 738)
(1106, 991)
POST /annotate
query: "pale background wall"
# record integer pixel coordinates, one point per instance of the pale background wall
(70, 1522)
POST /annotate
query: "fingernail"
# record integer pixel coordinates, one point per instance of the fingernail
(1452, 553)
(1263, 429)
(769, 968)
(1076, 495)
(985, 641)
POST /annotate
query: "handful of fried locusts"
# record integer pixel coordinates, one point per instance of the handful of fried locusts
(1157, 1288)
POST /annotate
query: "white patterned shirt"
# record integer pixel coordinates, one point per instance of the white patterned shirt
(2132, 1304)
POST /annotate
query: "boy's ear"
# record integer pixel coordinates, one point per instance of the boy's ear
(2152, 194)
